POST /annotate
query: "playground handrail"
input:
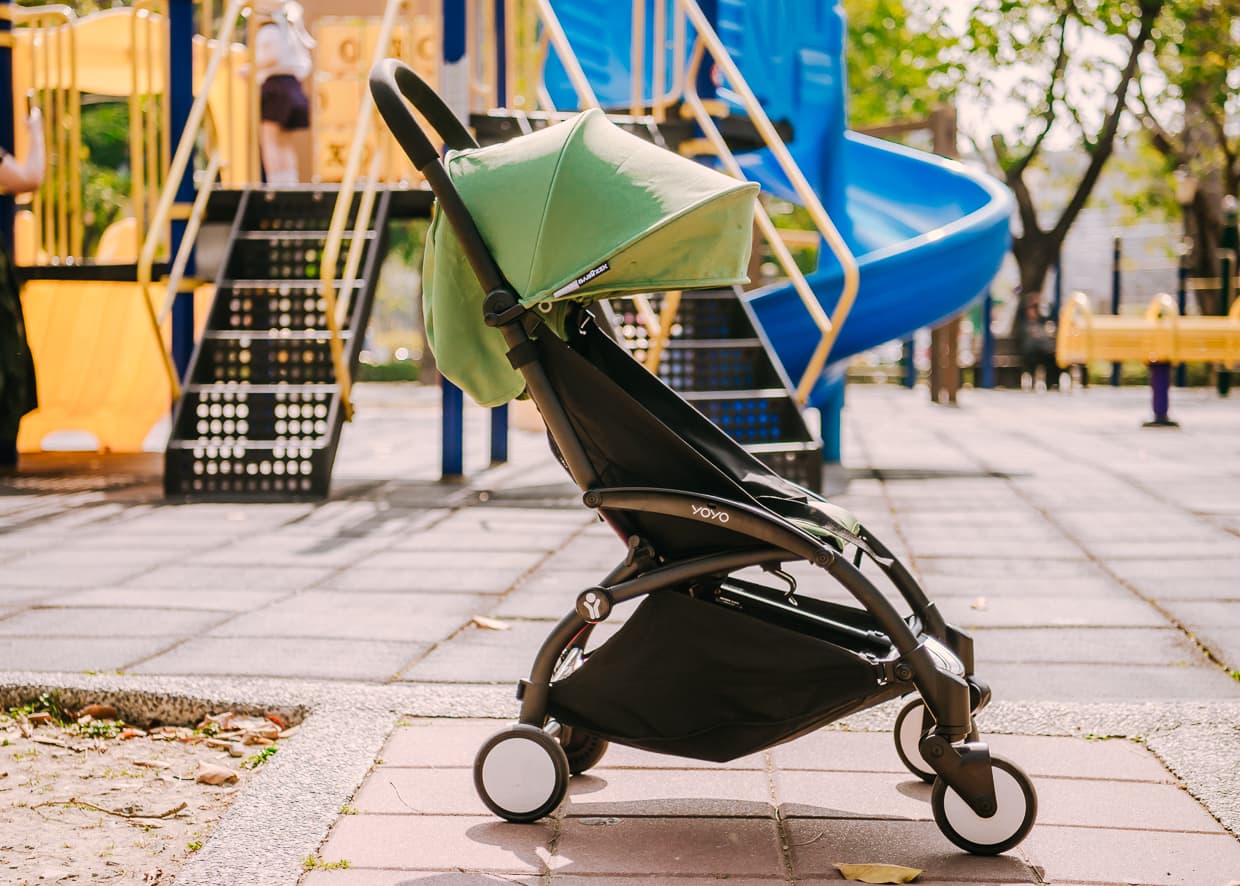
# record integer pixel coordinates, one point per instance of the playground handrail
(147, 137)
(340, 217)
(828, 327)
(61, 227)
(180, 163)
(564, 51)
(196, 214)
(660, 97)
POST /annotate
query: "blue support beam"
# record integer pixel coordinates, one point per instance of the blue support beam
(452, 461)
(987, 379)
(8, 113)
(180, 100)
(1116, 285)
(499, 434)
(832, 417)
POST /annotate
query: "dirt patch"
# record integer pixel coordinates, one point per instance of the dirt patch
(87, 798)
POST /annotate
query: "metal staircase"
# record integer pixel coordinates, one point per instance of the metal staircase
(716, 357)
(261, 412)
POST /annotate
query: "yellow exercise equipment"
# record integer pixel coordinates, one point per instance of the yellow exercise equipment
(1160, 335)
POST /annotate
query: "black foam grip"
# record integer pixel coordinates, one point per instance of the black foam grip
(391, 79)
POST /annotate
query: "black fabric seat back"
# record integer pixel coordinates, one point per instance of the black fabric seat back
(636, 431)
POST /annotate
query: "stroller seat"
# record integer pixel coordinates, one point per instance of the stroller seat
(724, 655)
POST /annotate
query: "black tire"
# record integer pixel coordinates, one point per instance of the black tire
(583, 749)
(1017, 809)
(521, 773)
(905, 732)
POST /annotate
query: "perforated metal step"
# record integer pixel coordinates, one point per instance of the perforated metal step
(260, 415)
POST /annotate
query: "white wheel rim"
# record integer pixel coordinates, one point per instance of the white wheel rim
(1008, 817)
(519, 775)
(910, 738)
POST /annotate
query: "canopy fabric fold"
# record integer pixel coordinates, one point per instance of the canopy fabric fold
(575, 212)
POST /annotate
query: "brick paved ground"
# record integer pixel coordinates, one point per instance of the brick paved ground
(1096, 563)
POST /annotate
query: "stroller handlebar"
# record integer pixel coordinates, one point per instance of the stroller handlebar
(391, 82)
(390, 79)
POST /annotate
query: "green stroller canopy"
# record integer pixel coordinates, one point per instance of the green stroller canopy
(573, 213)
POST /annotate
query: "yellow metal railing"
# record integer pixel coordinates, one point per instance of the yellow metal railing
(57, 205)
(157, 228)
(828, 327)
(337, 308)
(148, 122)
(196, 214)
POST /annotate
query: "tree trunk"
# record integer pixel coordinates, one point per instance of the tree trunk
(1035, 254)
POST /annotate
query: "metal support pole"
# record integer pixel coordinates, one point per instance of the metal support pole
(1058, 291)
(8, 448)
(454, 88)
(499, 434)
(908, 364)
(832, 417)
(7, 114)
(987, 380)
(452, 462)
(1160, 395)
(180, 100)
(1116, 283)
(1181, 299)
(501, 53)
(1227, 273)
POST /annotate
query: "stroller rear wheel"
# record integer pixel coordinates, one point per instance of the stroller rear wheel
(1017, 807)
(909, 730)
(521, 773)
(583, 749)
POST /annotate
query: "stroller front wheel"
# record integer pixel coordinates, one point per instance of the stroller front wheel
(521, 773)
(909, 730)
(1016, 808)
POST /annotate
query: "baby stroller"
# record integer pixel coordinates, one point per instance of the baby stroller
(714, 663)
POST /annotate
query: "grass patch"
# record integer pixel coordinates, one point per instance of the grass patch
(313, 862)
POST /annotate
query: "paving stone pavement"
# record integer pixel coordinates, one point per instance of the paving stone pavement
(1096, 563)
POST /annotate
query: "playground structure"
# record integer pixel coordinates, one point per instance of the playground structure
(765, 103)
(119, 394)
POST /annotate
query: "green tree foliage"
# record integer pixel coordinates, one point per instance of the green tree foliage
(1190, 91)
(1072, 65)
(899, 65)
(106, 180)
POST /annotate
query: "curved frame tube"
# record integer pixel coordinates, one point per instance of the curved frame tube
(760, 524)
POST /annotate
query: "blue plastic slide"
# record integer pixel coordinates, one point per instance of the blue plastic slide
(929, 234)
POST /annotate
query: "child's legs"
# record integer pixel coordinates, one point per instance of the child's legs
(279, 154)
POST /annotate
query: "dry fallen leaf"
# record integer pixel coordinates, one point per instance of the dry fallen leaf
(209, 773)
(878, 873)
(98, 712)
(490, 624)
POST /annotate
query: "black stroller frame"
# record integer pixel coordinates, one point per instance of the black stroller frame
(936, 735)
